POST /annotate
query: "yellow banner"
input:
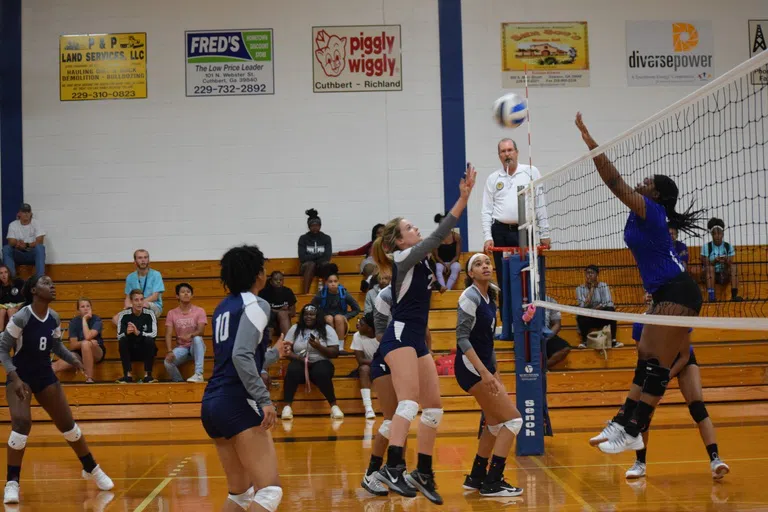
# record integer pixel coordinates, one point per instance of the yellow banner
(556, 54)
(103, 66)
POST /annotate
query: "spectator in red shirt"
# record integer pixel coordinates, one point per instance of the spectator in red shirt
(367, 266)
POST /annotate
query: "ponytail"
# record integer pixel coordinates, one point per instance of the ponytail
(385, 244)
(380, 257)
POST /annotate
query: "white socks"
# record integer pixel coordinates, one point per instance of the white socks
(366, 394)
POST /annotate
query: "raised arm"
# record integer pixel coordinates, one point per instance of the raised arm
(610, 176)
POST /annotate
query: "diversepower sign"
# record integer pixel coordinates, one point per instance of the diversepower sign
(356, 58)
(230, 62)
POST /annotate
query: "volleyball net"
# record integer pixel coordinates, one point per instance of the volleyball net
(714, 144)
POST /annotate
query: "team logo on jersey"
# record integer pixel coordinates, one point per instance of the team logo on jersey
(499, 185)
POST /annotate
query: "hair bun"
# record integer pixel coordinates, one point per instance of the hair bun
(311, 213)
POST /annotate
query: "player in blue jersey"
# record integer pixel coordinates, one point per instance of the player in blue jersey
(401, 251)
(33, 333)
(477, 374)
(652, 203)
(237, 412)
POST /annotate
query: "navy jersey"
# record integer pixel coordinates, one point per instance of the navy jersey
(476, 326)
(240, 342)
(651, 245)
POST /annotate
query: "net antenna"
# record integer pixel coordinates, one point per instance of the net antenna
(714, 144)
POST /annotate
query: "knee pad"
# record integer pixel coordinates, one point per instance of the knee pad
(243, 500)
(514, 425)
(73, 435)
(384, 429)
(17, 441)
(698, 411)
(495, 429)
(656, 378)
(431, 417)
(639, 378)
(407, 409)
(269, 497)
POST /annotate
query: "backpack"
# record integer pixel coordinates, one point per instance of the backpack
(342, 298)
(711, 246)
(445, 364)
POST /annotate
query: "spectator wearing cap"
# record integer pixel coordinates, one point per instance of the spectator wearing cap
(25, 242)
(315, 249)
(717, 260)
(594, 294)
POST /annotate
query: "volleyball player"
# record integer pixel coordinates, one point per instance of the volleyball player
(674, 292)
(237, 412)
(404, 347)
(476, 373)
(29, 372)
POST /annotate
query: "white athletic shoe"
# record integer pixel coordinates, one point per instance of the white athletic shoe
(287, 413)
(636, 471)
(611, 430)
(103, 482)
(11, 494)
(197, 378)
(719, 469)
(371, 484)
(622, 443)
(369, 413)
(336, 413)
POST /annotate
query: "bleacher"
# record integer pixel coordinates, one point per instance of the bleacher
(734, 363)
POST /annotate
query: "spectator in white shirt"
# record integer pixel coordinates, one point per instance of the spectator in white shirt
(499, 215)
(365, 345)
(25, 242)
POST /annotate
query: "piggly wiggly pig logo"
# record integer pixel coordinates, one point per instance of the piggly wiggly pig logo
(331, 53)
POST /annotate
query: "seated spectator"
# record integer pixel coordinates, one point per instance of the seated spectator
(717, 261)
(364, 345)
(594, 294)
(337, 305)
(136, 333)
(681, 250)
(11, 295)
(557, 348)
(446, 258)
(315, 249)
(146, 279)
(314, 345)
(282, 301)
(84, 340)
(382, 281)
(367, 266)
(187, 321)
(25, 242)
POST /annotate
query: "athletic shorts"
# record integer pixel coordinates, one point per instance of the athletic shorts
(379, 367)
(466, 374)
(37, 379)
(226, 417)
(399, 335)
(681, 289)
(691, 360)
(555, 344)
(103, 353)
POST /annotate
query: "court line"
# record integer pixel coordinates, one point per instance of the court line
(570, 492)
(124, 492)
(151, 496)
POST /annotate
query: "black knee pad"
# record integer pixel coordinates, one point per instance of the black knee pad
(656, 378)
(639, 373)
(698, 411)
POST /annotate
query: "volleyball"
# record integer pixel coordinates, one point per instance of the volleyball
(510, 111)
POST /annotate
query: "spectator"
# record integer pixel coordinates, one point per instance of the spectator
(364, 345)
(11, 295)
(681, 250)
(187, 321)
(315, 249)
(594, 294)
(146, 279)
(557, 348)
(85, 340)
(382, 281)
(314, 345)
(446, 258)
(337, 305)
(282, 301)
(25, 242)
(136, 333)
(367, 266)
(717, 261)
(499, 215)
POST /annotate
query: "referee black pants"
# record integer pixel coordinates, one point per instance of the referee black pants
(504, 235)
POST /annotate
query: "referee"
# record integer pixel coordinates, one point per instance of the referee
(499, 214)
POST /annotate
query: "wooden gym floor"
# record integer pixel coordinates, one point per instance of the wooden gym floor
(170, 465)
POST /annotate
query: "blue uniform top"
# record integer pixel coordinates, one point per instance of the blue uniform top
(240, 349)
(651, 245)
(476, 325)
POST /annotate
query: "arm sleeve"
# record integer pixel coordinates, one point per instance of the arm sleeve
(97, 326)
(407, 259)
(13, 231)
(270, 357)
(302, 250)
(326, 256)
(381, 311)
(581, 295)
(370, 298)
(486, 213)
(153, 322)
(353, 306)
(332, 339)
(705, 250)
(542, 219)
(249, 334)
(606, 298)
(8, 339)
(160, 283)
(465, 320)
(122, 324)
(731, 250)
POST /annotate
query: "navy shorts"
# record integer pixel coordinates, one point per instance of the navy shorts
(228, 416)
(39, 379)
(691, 360)
(379, 367)
(399, 335)
(466, 374)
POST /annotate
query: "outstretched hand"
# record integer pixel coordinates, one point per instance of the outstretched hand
(585, 132)
(467, 182)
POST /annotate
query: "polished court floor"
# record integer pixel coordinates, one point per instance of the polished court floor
(170, 466)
